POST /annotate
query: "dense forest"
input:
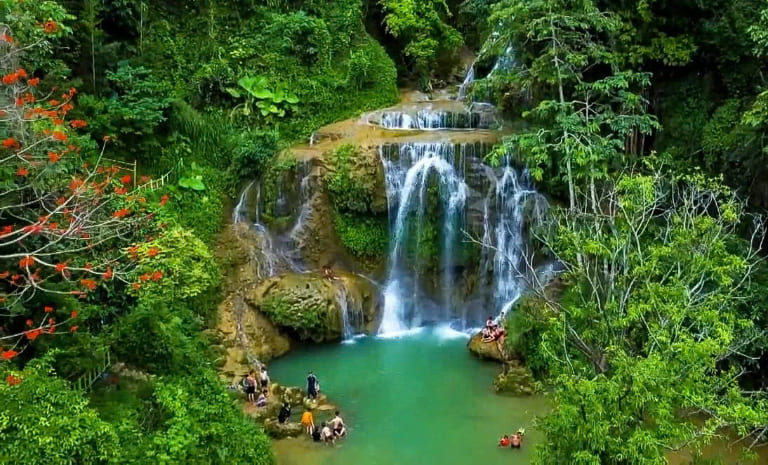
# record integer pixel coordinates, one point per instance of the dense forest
(129, 127)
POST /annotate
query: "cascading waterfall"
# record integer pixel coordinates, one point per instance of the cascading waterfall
(407, 179)
(511, 195)
(411, 171)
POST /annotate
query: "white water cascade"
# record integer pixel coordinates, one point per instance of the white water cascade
(511, 196)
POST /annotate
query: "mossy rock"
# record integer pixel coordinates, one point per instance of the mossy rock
(515, 380)
(278, 430)
(308, 306)
(356, 180)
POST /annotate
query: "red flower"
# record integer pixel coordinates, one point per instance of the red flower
(10, 143)
(163, 200)
(53, 157)
(89, 283)
(136, 286)
(123, 212)
(13, 380)
(73, 314)
(157, 276)
(58, 135)
(4, 274)
(11, 78)
(78, 123)
(108, 274)
(145, 277)
(75, 184)
(9, 354)
(32, 334)
(73, 329)
(50, 27)
(33, 82)
(23, 172)
(26, 262)
(153, 252)
(6, 38)
(48, 309)
(51, 330)
(51, 321)
(126, 179)
(30, 322)
(60, 267)
(121, 191)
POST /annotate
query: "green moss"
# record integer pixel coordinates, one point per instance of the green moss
(303, 304)
(355, 181)
(363, 236)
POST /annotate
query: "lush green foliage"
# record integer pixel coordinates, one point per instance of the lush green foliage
(363, 236)
(421, 27)
(42, 420)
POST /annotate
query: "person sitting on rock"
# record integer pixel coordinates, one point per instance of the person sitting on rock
(308, 421)
(312, 385)
(328, 273)
(285, 412)
(327, 434)
(505, 441)
(262, 400)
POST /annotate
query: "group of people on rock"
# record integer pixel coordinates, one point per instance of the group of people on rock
(260, 383)
(513, 441)
(493, 331)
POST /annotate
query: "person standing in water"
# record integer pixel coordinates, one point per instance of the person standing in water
(311, 385)
(308, 421)
(338, 426)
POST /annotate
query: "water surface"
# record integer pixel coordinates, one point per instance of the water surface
(419, 399)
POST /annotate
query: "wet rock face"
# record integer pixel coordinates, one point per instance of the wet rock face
(311, 308)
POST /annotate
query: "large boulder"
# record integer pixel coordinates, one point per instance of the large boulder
(278, 430)
(312, 308)
(485, 350)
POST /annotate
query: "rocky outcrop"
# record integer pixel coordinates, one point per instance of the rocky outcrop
(515, 380)
(485, 350)
(311, 308)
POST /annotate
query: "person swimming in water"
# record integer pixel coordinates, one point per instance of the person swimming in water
(516, 440)
(339, 430)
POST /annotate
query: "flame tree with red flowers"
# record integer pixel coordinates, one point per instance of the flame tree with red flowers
(67, 217)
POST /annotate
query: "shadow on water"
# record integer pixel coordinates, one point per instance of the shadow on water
(421, 399)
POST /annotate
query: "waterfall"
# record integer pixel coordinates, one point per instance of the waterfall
(511, 194)
(239, 211)
(431, 119)
(468, 80)
(305, 192)
(407, 180)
